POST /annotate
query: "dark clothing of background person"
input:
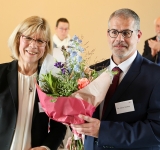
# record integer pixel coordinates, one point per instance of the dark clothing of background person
(147, 51)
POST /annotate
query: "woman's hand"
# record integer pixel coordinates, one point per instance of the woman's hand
(38, 148)
(69, 140)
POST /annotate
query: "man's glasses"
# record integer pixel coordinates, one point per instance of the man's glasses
(29, 40)
(125, 33)
(65, 29)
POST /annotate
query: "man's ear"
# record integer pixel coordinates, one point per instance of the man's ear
(139, 35)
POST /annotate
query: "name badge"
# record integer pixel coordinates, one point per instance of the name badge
(40, 107)
(125, 106)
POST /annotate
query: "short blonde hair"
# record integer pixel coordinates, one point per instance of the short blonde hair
(29, 26)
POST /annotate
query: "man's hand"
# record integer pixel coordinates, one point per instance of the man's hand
(90, 128)
(155, 47)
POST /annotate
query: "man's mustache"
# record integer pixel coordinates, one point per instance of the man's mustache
(121, 44)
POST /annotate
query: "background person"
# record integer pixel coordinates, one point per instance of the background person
(130, 120)
(24, 125)
(152, 45)
(60, 38)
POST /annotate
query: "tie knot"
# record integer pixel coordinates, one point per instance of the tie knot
(117, 70)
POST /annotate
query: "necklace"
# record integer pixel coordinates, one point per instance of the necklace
(31, 82)
(30, 89)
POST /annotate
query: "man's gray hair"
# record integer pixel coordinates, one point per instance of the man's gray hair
(126, 14)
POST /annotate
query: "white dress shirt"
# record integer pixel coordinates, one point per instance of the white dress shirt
(60, 43)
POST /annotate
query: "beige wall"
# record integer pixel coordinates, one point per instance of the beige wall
(88, 18)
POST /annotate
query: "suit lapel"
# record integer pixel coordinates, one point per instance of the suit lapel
(131, 75)
(36, 108)
(12, 78)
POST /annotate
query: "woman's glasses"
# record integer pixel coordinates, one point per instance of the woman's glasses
(29, 40)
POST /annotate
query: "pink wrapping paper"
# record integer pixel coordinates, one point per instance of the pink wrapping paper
(83, 101)
(65, 109)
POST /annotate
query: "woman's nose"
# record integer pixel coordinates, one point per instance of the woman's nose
(33, 43)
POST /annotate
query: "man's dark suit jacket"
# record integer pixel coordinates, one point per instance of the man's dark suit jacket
(147, 51)
(9, 111)
(139, 129)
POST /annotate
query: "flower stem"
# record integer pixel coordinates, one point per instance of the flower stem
(76, 144)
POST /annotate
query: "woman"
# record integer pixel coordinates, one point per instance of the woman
(24, 125)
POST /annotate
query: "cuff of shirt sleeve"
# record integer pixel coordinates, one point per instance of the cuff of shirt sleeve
(46, 147)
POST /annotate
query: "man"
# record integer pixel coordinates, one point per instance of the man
(131, 119)
(152, 45)
(60, 38)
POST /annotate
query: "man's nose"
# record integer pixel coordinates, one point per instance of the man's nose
(120, 37)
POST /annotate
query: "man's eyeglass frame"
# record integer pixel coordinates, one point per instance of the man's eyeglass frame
(120, 32)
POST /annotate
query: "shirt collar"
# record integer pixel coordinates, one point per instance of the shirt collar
(124, 66)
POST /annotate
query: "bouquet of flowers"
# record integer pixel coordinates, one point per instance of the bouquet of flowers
(72, 88)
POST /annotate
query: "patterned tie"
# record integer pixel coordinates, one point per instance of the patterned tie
(112, 87)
